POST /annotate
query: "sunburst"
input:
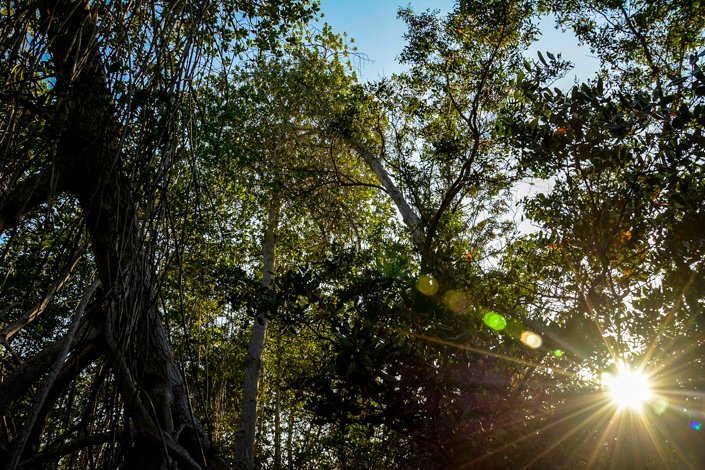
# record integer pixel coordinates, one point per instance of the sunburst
(629, 389)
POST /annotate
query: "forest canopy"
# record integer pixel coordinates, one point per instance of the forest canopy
(219, 248)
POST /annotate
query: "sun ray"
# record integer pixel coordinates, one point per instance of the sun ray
(533, 433)
(614, 413)
(650, 431)
(564, 437)
(612, 421)
(465, 347)
(671, 314)
(593, 317)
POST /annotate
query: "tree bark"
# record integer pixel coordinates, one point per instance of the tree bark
(88, 165)
(277, 409)
(245, 444)
(412, 221)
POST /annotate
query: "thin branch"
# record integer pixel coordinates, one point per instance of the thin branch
(15, 385)
(34, 191)
(18, 445)
(7, 333)
(55, 452)
(645, 46)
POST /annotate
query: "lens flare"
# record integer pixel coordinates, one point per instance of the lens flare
(495, 321)
(427, 285)
(457, 301)
(628, 389)
(531, 339)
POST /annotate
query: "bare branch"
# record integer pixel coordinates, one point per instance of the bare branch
(411, 219)
(16, 384)
(7, 333)
(34, 191)
(18, 445)
(66, 448)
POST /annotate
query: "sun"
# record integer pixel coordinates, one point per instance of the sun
(628, 389)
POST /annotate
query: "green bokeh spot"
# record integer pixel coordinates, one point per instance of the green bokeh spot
(495, 321)
(558, 353)
(427, 285)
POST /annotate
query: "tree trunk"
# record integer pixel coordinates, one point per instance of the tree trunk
(290, 441)
(87, 164)
(277, 409)
(412, 220)
(245, 444)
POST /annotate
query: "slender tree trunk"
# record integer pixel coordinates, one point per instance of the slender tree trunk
(411, 219)
(290, 441)
(245, 444)
(277, 409)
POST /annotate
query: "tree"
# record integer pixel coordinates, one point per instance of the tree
(427, 133)
(622, 151)
(259, 147)
(428, 137)
(101, 135)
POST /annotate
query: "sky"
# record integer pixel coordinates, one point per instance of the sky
(377, 32)
(378, 35)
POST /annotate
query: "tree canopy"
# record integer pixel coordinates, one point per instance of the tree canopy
(220, 249)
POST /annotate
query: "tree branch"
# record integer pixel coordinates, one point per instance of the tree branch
(7, 333)
(21, 379)
(411, 219)
(57, 451)
(34, 191)
(18, 445)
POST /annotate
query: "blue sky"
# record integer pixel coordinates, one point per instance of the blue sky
(378, 34)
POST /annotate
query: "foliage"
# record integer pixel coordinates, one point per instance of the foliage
(621, 151)
(412, 324)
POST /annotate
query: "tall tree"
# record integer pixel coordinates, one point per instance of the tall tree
(427, 133)
(614, 264)
(253, 364)
(102, 85)
(264, 147)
